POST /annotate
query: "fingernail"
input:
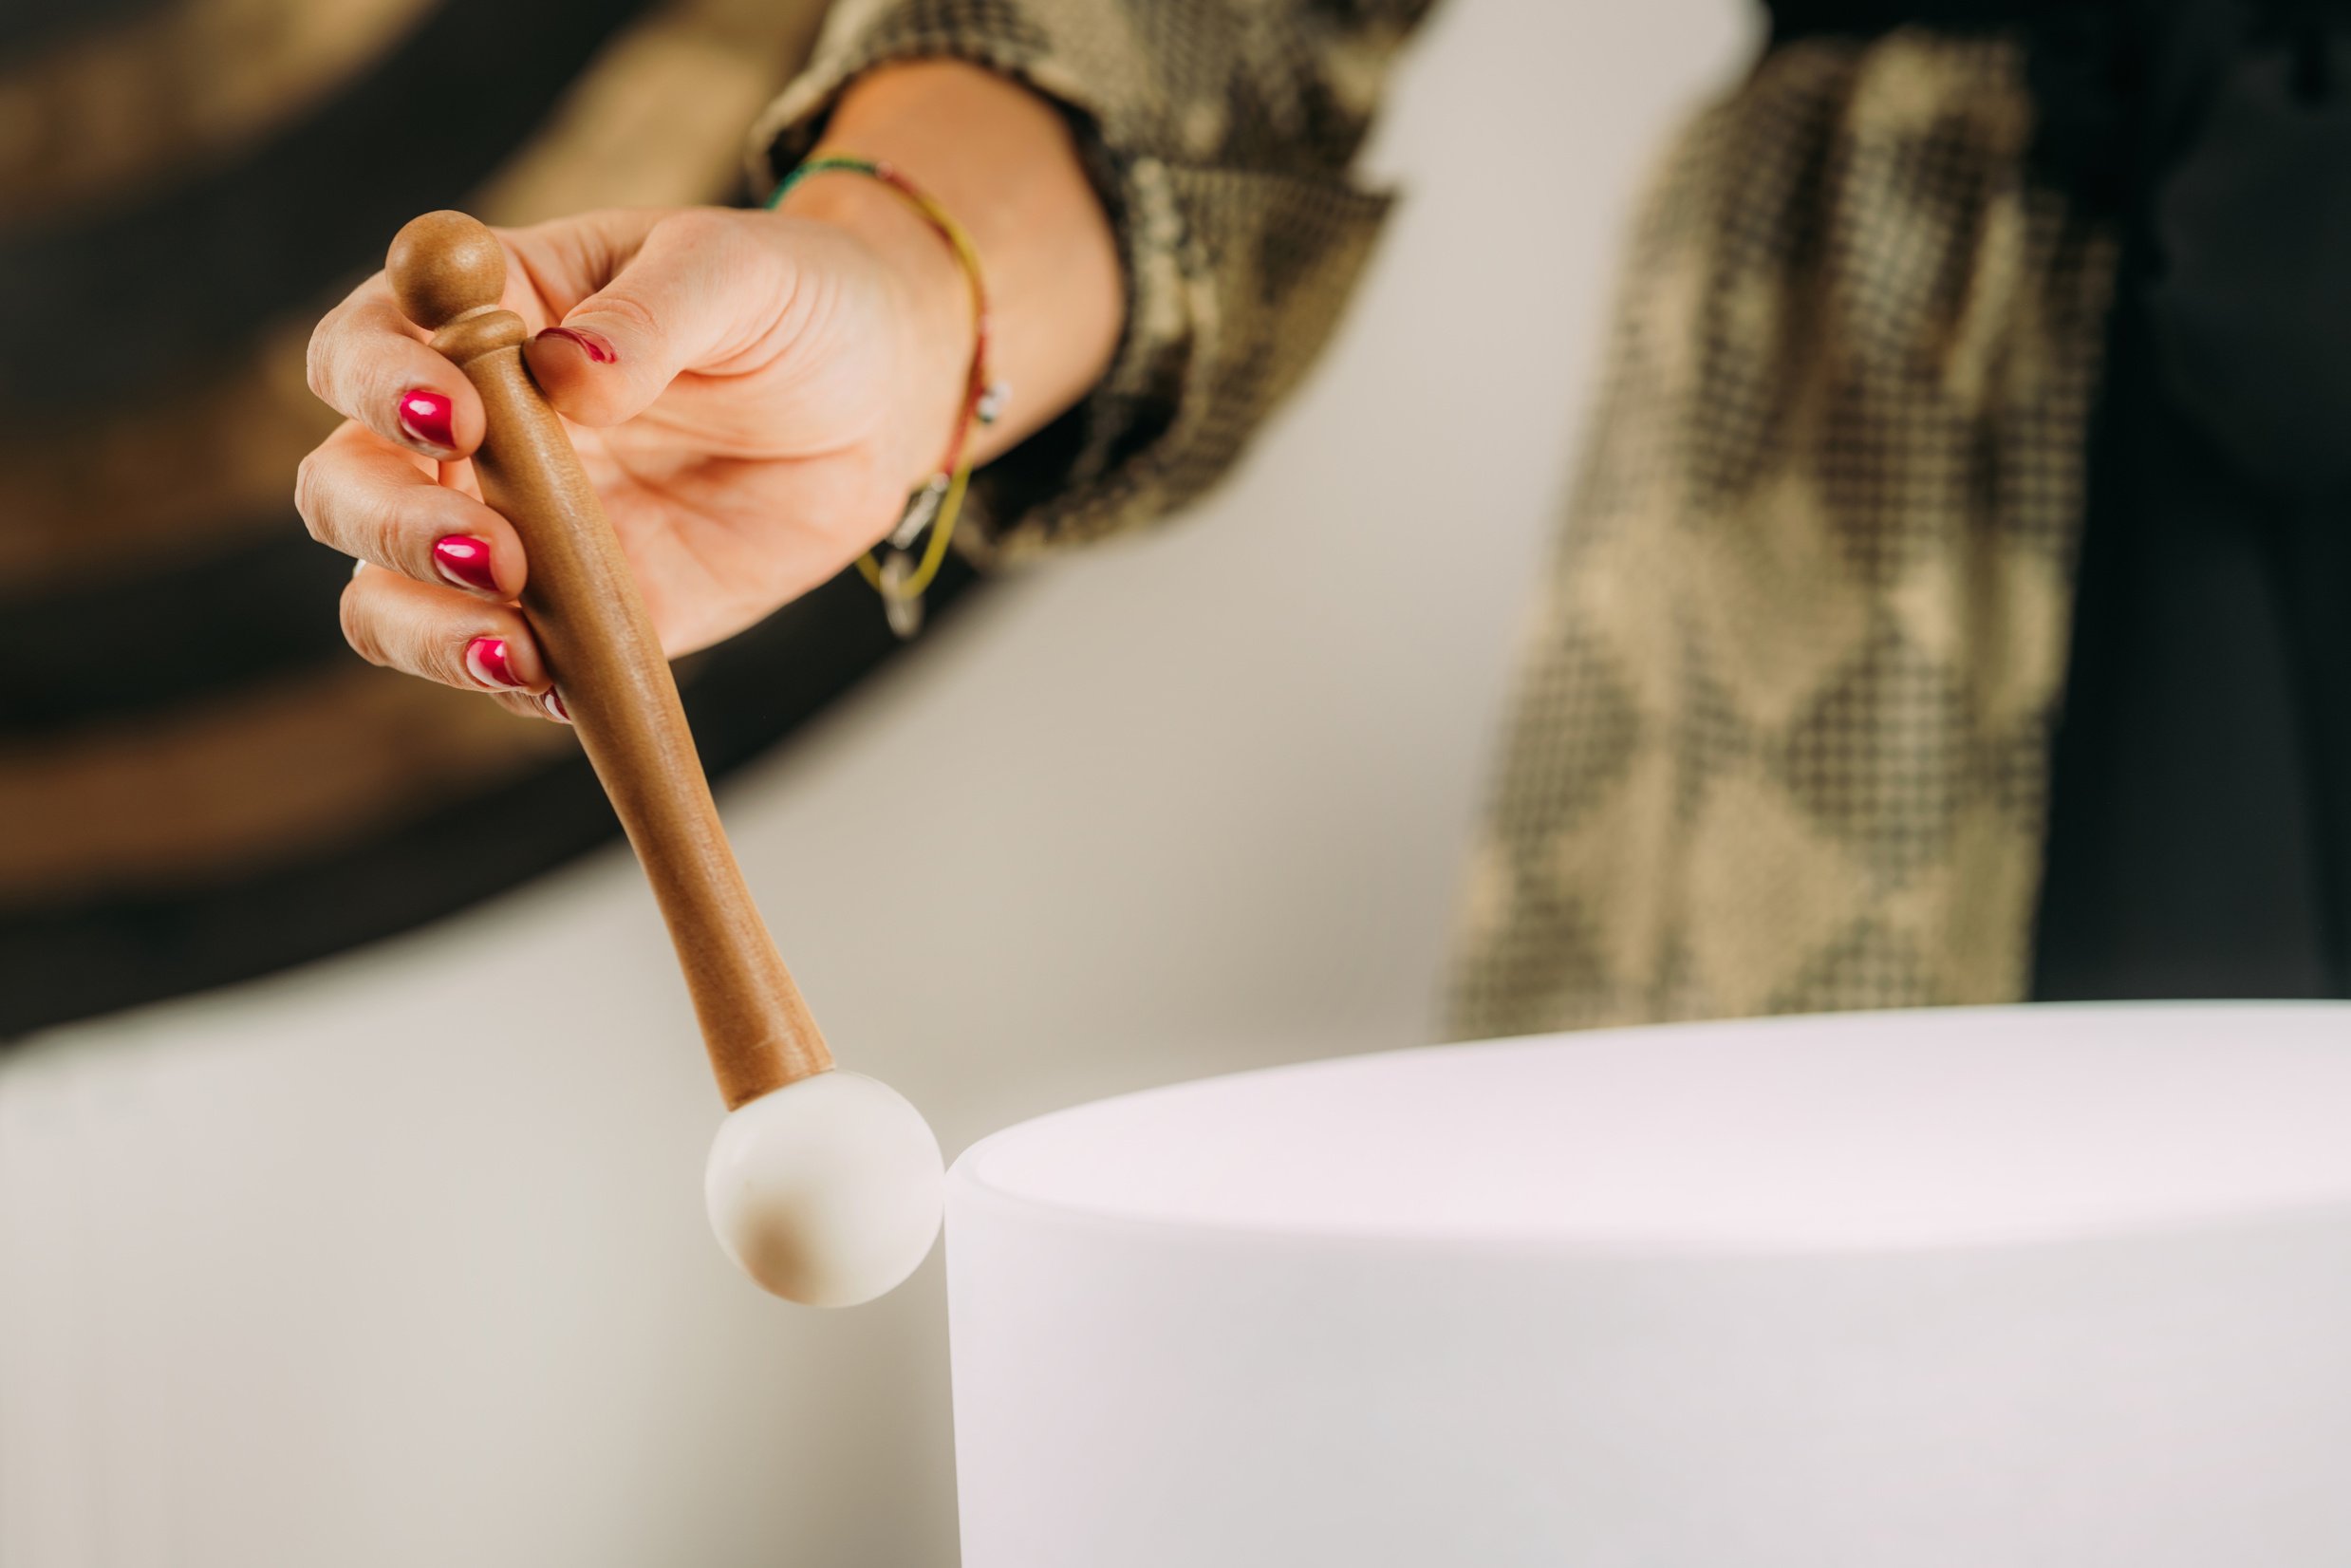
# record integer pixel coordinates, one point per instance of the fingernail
(552, 703)
(486, 661)
(425, 416)
(597, 347)
(463, 561)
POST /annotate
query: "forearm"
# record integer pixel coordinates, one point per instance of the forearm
(1002, 161)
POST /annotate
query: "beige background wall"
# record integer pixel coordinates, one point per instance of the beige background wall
(400, 1259)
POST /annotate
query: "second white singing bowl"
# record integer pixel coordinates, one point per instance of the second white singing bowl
(2048, 1286)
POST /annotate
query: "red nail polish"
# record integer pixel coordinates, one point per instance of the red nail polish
(486, 661)
(595, 345)
(463, 561)
(552, 703)
(425, 415)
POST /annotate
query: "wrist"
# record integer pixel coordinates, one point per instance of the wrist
(1005, 163)
(929, 305)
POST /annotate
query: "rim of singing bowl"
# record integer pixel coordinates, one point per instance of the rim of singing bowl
(1894, 1131)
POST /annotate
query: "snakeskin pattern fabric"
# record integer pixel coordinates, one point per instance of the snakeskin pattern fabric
(1782, 737)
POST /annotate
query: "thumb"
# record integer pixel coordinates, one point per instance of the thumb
(697, 292)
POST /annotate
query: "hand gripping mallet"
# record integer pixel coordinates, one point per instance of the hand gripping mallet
(824, 1185)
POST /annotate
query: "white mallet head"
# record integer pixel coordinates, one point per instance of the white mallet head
(827, 1190)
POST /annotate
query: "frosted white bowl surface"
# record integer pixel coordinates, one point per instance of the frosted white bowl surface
(2019, 1286)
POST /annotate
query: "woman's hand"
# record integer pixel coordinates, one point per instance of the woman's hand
(754, 394)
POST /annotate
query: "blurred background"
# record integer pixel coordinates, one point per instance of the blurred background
(351, 1114)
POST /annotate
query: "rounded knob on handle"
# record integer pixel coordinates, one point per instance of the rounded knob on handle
(445, 266)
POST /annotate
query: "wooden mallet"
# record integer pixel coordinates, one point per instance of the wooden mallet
(824, 1185)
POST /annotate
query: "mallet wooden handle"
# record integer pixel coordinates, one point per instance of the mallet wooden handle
(449, 273)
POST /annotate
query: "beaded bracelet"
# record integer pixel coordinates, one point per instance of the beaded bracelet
(898, 579)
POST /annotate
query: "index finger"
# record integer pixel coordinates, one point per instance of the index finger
(369, 363)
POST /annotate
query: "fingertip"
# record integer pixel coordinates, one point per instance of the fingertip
(506, 664)
(367, 361)
(441, 423)
(489, 563)
(594, 343)
(426, 417)
(581, 370)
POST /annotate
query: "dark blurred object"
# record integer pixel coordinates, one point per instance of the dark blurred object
(2200, 838)
(2252, 233)
(199, 782)
(28, 24)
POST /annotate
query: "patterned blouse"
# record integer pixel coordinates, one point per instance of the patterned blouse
(1782, 738)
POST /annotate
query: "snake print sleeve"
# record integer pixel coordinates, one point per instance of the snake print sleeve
(1219, 133)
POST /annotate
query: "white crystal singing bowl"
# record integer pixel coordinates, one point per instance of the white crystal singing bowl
(2014, 1286)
